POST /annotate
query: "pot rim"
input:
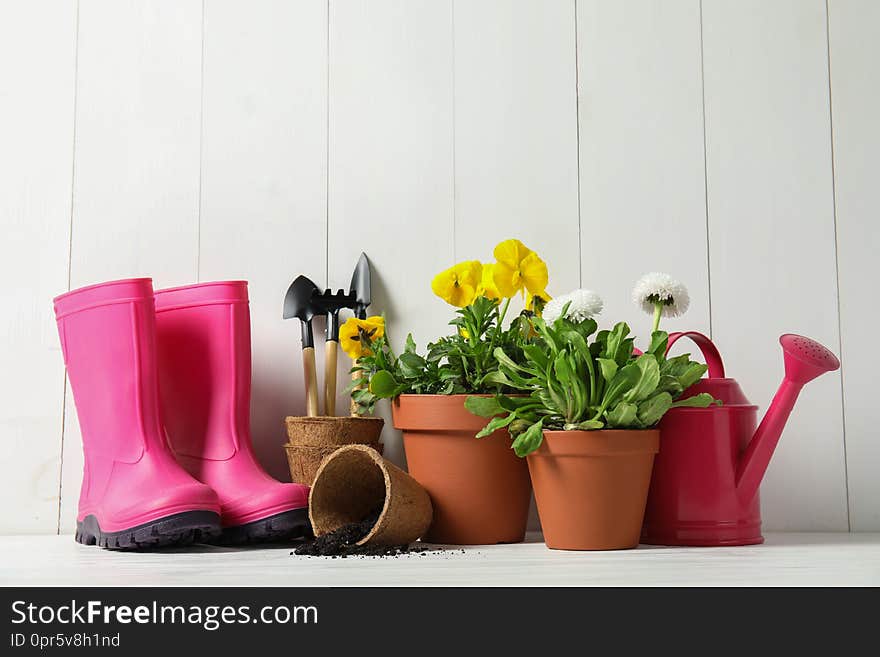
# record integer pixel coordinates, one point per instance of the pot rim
(435, 413)
(598, 442)
(331, 419)
(426, 395)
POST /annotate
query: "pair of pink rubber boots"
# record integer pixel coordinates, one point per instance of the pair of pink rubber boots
(162, 384)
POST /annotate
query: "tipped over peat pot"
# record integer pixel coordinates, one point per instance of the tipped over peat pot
(479, 488)
(591, 487)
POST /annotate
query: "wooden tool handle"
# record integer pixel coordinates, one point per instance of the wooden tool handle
(311, 381)
(330, 351)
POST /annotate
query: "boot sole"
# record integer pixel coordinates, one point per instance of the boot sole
(280, 527)
(171, 531)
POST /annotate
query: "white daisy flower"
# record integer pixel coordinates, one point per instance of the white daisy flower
(661, 295)
(582, 305)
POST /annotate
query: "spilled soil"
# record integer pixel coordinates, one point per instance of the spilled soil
(341, 543)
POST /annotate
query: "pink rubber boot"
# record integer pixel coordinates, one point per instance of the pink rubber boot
(204, 343)
(134, 494)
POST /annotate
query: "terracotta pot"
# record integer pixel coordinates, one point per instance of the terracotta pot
(479, 488)
(353, 482)
(591, 487)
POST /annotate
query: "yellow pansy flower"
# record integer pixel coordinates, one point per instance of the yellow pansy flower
(458, 284)
(536, 302)
(356, 334)
(487, 286)
(518, 269)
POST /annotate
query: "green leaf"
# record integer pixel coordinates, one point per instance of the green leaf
(659, 342)
(624, 415)
(675, 366)
(615, 340)
(360, 381)
(515, 380)
(516, 403)
(653, 409)
(563, 370)
(498, 377)
(669, 384)
(536, 355)
(508, 362)
(483, 406)
(608, 368)
(361, 395)
(549, 337)
(383, 384)
(649, 377)
(495, 424)
(410, 347)
(586, 327)
(625, 351)
(703, 400)
(530, 439)
(692, 373)
(586, 425)
(624, 380)
(519, 425)
(411, 365)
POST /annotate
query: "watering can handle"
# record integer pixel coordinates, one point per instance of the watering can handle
(709, 350)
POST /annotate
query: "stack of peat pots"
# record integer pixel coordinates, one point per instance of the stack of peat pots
(311, 439)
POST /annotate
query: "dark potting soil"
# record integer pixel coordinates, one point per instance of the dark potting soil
(340, 543)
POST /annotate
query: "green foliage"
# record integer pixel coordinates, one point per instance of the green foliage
(462, 363)
(573, 383)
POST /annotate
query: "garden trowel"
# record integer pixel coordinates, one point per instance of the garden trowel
(360, 286)
(299, 303)
(360, 289)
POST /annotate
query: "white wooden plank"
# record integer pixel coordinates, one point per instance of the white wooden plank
(391, 162)
(516, 132)
(264, 183)
(834, 559)
(37, 64)
(136, 180)
(771, 233)
(641, 154)
(855, 94)
(516, 156)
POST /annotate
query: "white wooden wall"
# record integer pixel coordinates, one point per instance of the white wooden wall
(733, 144)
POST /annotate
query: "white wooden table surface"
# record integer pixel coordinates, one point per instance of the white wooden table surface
(790, 559)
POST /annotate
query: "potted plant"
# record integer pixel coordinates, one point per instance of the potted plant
(587, 426)
(480, 489)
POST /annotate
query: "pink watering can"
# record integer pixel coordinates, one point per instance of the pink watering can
(704, 488)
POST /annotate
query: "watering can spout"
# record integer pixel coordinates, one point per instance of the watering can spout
(805, 359)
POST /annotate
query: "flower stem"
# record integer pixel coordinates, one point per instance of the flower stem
(498, 325)
(504, 311)
(658, 310)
